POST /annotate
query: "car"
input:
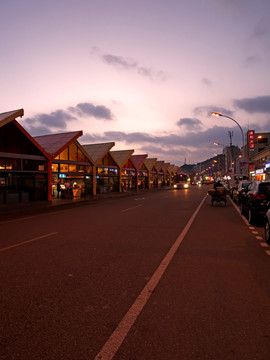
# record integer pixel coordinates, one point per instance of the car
(254, 200)
(267, 225)
(238, 191)
(181, 185)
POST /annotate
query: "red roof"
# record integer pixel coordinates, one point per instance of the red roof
(54, 144)
(138, 160)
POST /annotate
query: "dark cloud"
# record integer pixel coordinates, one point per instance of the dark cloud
(38, 130)
(42, 124)
(254, 59)
(88, 109)
(114, 60)
(190, 124)
(56, 119)
(132, 65)
(260, 104)
(190, 139)
(206, 82)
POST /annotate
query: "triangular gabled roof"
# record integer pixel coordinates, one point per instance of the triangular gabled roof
(10, 116)
(121, 156)
(158, 165)
(98, 151)
(171, 168)
(54, 144)
(165, 166)
(138, 160)
(149, 163)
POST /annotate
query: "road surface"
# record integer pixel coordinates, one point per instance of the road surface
(159, 275)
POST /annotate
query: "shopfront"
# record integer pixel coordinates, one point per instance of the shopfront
(160, 178)
(107, 179)
(72, 168)
(106, 168)
(143, 182)
(152, 174)
(141, 172)
(127, 179)
(260, 174)
(23, 164)
(267, 170)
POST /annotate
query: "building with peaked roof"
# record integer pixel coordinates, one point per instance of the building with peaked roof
(23, 162)
(161, 176)
(165, 167)
(69, 164)
(106, 168)
(152, 173)
(141, 171)
(127, 179)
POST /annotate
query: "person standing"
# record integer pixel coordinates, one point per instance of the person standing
(58, 188)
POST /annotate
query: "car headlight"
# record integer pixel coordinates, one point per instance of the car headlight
(186, 185)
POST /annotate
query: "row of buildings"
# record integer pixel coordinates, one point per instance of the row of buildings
(44, 167)
(251, 162)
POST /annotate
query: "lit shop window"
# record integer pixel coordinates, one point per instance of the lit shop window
(55, 167)
(63, 167)
(72, 168)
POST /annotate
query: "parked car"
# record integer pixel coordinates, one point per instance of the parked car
(267, 225)
(238, 190)
(181, 185)
(254, 200)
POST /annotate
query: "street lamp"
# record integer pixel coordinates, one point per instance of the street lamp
(218, 114)
(218, 144)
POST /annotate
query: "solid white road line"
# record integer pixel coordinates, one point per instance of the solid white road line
(27, 241)
(115, 340)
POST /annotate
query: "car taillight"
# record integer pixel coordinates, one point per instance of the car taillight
(259, 196)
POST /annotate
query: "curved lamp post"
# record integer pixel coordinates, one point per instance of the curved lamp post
(243, 141)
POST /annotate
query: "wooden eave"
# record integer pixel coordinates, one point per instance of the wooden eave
(84, 152)
(9, 116)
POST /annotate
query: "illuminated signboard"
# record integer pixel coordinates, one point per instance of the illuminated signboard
(267, 166)
(259, 171)
(251, 139)
(62, 175)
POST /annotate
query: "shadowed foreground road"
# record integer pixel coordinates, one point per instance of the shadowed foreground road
(76, 274)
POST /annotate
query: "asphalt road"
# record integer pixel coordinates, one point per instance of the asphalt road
(160, 275)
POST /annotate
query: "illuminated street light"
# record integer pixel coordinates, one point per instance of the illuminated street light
(218, 144)
(218, 114)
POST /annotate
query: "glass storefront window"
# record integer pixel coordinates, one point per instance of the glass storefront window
(113, 171)
(13, 164)
(55, 167)
(88, 169)
(2, 164)
(34, 165)
(73, 152)
(64, 154)
(81, 157)
(64, 168)
(72, 168)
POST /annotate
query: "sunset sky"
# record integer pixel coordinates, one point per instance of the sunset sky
(145, 74)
